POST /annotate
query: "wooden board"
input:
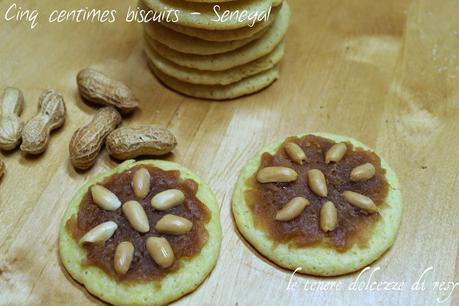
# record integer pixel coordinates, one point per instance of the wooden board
(384, 72)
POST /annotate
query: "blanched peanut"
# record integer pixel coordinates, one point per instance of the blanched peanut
(173, 225)
(276, 175)
(363, 172)
(295, 152)
(292, 209)
(336, 153)
(123, 257)
(104, 198)
(141, 183)
(167, 199)
(100, 233)
(161, 252)
(328, 217)
(136, 216)
(360, 201)
(317, 182)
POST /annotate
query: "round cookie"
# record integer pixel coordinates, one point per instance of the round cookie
(224, 35)
(319, 259)
(207, 19)
(192, 45)
(244, 87)
(191, 273)
(209, 1)
(204, 77)
(275, 2)
(225, 61)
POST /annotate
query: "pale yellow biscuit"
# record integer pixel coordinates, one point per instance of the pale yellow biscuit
(225, 61)
(209, 1)
(192, 45)
(244, 87)
(224, 35)
(275, 2)
(319, 260)
(207, 18)
(188, 277)
(204, 77)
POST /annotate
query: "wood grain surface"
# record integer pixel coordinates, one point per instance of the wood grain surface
(383, 72)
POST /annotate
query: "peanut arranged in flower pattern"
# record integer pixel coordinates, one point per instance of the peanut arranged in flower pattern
(158, 247)
(100, 233)
(136, 216)
(124, 254)
(104, 198)
(328, 217)
(173, 225)
(167, 199)
(335, 153)
(363, 172)
(361, 201)
(276, 175)
(292, 209)
(317, 183)
(295, 152)
(141, 183)
(161, 251)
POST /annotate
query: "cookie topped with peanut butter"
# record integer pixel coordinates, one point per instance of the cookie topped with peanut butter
(143, 226)
(323, 203)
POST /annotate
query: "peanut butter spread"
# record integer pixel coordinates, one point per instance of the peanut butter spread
(352, 224)
(142, 267)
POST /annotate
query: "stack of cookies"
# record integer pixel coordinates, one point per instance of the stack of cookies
(216, 49)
